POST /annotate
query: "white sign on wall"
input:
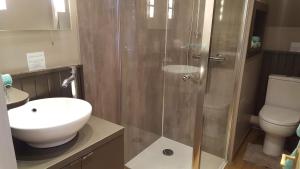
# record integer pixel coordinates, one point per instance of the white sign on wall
(295, 47)
(36, 61)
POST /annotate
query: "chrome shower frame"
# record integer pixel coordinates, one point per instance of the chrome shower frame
(238, 72)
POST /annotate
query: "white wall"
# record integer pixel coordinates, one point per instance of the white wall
(61, 47)
(7, 154)
(283, 24)
(27, 15)
(247, 99)
(280, 38)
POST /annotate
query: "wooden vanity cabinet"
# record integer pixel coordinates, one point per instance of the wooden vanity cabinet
(108, 156)
(98, 145)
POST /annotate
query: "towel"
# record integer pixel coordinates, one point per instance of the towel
(7, 80)
(289, 163)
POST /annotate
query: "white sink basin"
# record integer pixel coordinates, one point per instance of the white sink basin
(49, 122)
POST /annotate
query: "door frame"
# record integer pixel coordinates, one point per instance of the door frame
(238, 74)
(204, 53)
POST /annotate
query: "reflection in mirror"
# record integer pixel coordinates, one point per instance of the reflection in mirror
(34, 15)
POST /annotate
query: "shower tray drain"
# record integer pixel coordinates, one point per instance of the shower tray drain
(168, 152)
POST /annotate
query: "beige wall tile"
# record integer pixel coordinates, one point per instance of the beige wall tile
(283, 24)
(280, 38)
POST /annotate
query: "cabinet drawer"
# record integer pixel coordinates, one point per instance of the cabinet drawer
(74, 165)
(108, 156)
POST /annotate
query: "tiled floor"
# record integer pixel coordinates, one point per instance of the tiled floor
(256, 137)
(152, 157)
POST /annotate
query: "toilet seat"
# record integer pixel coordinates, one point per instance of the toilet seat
(279, 116)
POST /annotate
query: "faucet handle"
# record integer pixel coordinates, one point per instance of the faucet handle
(73, 69)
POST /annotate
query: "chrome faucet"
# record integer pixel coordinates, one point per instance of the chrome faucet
(69, 80)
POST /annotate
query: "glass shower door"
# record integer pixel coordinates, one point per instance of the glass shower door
(185, 71)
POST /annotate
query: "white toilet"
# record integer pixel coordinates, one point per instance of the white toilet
(280, 115)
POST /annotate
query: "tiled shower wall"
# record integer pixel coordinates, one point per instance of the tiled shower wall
(98, 27)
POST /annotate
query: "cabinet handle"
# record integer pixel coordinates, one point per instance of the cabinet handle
(196, 56)
(73, 163)
(88, 155)
(217, 59)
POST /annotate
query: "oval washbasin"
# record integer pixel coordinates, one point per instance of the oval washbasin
(49, 122)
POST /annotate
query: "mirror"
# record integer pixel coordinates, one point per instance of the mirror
(34, 15)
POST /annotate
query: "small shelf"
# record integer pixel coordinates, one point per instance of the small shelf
(253, 51)
(257, 26)
(15, 97)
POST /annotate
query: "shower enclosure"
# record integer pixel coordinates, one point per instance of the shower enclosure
(178, 63)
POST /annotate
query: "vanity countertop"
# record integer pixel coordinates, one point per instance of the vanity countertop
(15, 97)
(94, 134)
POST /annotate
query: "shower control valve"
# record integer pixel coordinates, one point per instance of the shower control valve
(186, 77)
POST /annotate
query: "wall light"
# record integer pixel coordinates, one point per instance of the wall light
(3, 5)
(221, 10)
(59, 5)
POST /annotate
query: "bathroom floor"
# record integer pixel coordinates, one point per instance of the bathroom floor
(256, 137)
(153, 158)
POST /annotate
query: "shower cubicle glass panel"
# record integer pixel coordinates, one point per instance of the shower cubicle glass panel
(164, 46)
(142, 42)
(226, 34)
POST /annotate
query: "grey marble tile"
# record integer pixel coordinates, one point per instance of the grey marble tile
(98, 24)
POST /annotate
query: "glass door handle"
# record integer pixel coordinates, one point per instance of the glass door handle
(217, 58)
(196, 56)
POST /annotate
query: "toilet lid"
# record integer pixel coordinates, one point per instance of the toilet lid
(279, 116)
